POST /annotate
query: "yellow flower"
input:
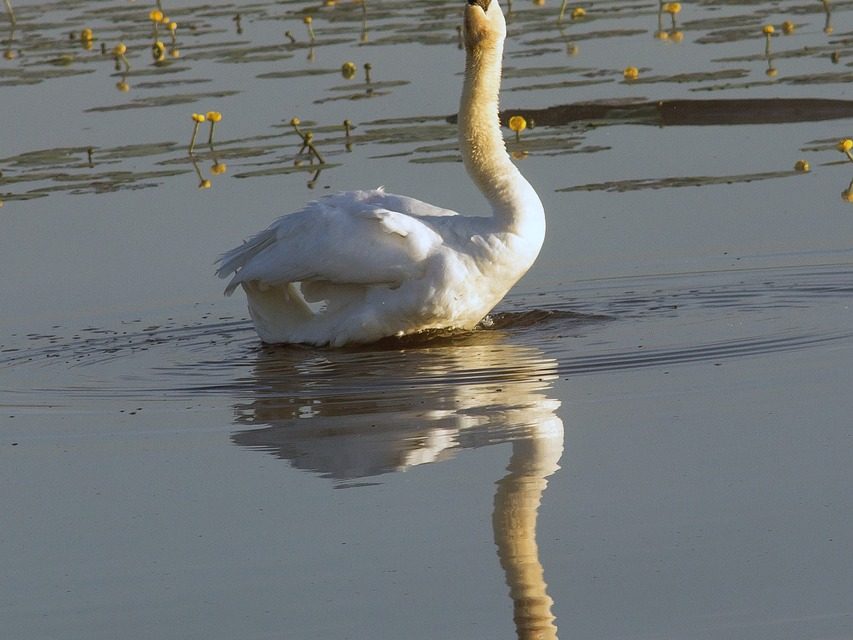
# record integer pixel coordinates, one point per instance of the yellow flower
(198, 117)
(672, 7)
(844, 145)
(768, 29)
(173, 26)
(205, 184)
(307, 19)
(295, 122)
(123, 86)
(218, 168)
(772, 72)
(661, 35)
(631, 73)
(517, 123)
(677, 36)
(788, 27)
(158, 50)
(213, 116)
(348, 70)
(120, 49)
(155, 15)
(86, 34)
(578, 12)
(802, 165)
(847, 195)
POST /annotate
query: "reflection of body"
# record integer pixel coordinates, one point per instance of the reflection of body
(351, 415)
(385, 265)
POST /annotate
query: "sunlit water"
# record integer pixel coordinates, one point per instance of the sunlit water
(649, 438)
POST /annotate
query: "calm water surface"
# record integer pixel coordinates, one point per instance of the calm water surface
(650, 438)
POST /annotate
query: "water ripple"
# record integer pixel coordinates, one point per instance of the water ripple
(595, 327)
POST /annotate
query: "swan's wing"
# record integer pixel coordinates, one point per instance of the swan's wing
(405, 204)
(342, 239)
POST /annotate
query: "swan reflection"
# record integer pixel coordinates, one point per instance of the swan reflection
(350, 415)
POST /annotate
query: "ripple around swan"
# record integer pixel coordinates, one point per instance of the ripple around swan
(589, 328)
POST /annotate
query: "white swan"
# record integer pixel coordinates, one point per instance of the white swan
(389, 265)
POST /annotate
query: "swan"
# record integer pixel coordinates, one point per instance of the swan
(390, 265)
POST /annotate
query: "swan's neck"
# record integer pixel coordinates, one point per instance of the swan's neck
(515, 205)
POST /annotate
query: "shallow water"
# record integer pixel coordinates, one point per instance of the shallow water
(650, 437)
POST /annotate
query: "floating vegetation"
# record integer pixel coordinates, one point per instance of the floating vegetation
(108, 47)
(620, 186)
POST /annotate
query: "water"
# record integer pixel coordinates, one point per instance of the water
(649, 438)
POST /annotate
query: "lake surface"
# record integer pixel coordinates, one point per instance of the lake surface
(651, 437)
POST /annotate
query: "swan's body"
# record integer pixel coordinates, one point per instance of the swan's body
(390, 265)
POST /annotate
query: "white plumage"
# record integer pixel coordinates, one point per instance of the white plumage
(384, 264)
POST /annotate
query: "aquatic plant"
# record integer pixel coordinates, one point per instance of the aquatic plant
(673, 9)
(10, 12)
(517, 124)
(119, 52)
(197, 118)
(802, 165)
(348, 70)
(308, 143)
(347, 131)
(309, 21)
(845, 146)
(577, 12)
(158, 51)
(631, 73)
(212, 117)
(768, 30)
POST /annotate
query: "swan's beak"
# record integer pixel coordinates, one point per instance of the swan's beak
(483, 4)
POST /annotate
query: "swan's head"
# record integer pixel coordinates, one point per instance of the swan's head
(484, 23)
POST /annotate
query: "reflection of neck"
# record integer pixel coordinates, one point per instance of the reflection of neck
(514, 522)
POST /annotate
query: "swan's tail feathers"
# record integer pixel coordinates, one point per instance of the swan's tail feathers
(279, 312)
(234, 260)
